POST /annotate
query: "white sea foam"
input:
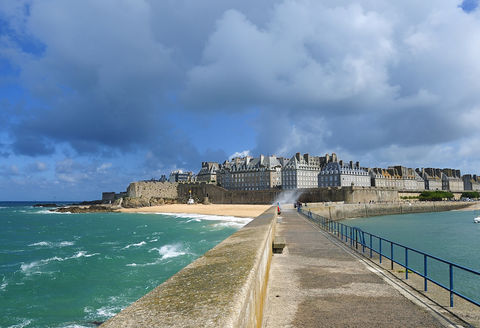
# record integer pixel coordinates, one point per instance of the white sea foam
(108, 311)
(237, 221)
(81, 254)
(53, 244)
(22, 324)
(135, 245)
(75, 326)
(4, 284)
(50, 212)
(169, 251)
(153, 240)
(28, 268)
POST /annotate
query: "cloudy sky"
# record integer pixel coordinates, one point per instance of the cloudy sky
(96, 94)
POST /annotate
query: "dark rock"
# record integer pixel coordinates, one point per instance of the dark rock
(84, 209)
(46, 205)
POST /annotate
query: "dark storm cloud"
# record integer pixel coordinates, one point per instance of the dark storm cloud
(323, 75)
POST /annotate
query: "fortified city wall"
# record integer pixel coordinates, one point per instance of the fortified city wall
(219, 195)
(153, 189)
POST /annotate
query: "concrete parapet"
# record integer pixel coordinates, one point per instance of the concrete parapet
(224, 288)
(345, 211)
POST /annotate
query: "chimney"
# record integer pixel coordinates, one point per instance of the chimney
(357, 165)
(306, 157)
(297, 156)
(327, 158)
(341, 163)
(351, 164)
(334, 157)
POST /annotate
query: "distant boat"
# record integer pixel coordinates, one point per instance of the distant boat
(476, 220)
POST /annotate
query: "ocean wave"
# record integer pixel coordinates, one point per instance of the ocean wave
(53, 244)
(135, 245)
(81, 254)
(28, 268)
(22, 324)
(108, 311)
(75, 326)
(153, 240)
(169, 251)
(228, 224)
(50, 212)
(165, 252)
(240, 222)
(4, 284)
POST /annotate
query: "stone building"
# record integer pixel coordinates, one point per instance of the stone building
(302, 171)
(471, 182)
(407, 178)
(339, 174)
(452, 180)
(432, 178)
(248, 173)
(180, 176)
(384, 178)
(208, 172)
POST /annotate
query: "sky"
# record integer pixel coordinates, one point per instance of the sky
(97, 94)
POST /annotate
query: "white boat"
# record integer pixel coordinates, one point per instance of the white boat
(476, 220)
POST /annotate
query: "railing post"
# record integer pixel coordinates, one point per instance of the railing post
(391, 255)
(425, 272)
(356, 238)
(371, 253)
(406, 263)
(363, 242)
(380, 248)
(451, 284)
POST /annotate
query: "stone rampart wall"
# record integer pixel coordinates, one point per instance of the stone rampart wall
(219, 195)
(152, 189)
(226, 287)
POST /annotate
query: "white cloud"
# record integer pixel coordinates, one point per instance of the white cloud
(239, 154)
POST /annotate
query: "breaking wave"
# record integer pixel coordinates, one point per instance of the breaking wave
(229, 221)
(53, 244)
(165, 252)
(28, 268)
(135, 245)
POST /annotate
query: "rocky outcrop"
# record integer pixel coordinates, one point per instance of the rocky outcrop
(134, 202)
(45, 205)
(85, 209)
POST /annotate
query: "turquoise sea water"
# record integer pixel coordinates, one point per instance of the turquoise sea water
(451, 236)
(69, 270)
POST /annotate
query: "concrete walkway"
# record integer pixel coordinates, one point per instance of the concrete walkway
(317, 283)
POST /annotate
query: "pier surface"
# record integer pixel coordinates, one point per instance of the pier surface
(317, 283)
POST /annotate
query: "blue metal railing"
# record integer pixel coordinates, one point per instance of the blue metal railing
(429, 267)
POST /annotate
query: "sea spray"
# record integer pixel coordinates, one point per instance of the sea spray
(287, 197)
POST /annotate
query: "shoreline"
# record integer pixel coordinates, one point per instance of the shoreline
(238, 210)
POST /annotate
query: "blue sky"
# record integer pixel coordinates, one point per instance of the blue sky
(96, 94)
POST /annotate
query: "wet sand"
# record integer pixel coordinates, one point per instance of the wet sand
(239, 210)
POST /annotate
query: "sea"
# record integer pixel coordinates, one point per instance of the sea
(77, 270)
(451, 236)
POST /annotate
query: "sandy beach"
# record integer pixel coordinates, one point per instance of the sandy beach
(240, 210)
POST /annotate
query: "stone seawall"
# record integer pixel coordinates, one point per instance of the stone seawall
(219, 195)
(345, 211)
(224, 288)
(153, 189)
